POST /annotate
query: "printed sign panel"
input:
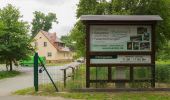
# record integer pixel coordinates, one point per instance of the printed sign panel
(108, 38)
(121, 59)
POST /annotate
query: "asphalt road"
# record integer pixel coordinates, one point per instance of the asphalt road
(25, 80)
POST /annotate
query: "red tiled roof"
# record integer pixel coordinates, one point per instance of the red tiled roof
(53, 39)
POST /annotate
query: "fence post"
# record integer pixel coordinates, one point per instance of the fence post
(65, 77)
(36, 72)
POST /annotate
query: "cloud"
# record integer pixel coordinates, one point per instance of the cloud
(62, 30)
(52, 2)
(64, 9)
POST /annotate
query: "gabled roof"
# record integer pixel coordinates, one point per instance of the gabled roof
(53, 39)
(120, 18)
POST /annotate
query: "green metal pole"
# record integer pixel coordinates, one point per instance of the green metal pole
(36, 72)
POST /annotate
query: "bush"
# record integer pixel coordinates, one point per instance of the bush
(162, 73)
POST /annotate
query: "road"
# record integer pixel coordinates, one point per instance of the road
(25, 80)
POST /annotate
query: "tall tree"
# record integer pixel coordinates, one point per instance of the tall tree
(14, 40)
(42, 22)
(68, 42)
(86, 7)
(78, 35)
(126, 7)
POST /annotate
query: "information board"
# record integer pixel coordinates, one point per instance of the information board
(121, 59)
(110, 38)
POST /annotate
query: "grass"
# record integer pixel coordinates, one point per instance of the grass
(163, 62)
(79, 82)
(8, 74)
(100, 96)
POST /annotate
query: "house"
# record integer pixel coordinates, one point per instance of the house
(50, 46)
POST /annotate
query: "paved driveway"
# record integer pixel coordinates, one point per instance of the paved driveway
(25, 80)
(31, 98)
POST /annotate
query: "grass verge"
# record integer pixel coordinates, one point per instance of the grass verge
(7, 74)
(100, 96)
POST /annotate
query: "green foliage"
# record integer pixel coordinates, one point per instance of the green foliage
(42, 22)
(86, 7)
(7, 74)
(14, 40)
(124, 7)
(78, 35)
(162, 73)
(68, 42)
(164, 53)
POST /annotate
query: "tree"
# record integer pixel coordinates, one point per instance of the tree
(68, 42)
(42, 22)
(126, 7)
(86, 7)
(78, 35)
(14, 40)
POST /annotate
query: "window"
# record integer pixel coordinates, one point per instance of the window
(45, 44)
(49, 54)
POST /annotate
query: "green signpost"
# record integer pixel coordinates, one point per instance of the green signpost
(36, 71)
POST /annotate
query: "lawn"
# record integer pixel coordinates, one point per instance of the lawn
(7, 74)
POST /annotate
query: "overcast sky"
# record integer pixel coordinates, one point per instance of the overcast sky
(64, 9)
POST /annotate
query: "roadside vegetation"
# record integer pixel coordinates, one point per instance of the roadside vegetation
(8, 74)
(162, 80)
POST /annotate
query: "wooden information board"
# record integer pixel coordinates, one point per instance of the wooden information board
(117, 40)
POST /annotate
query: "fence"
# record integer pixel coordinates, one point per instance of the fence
(57, 75)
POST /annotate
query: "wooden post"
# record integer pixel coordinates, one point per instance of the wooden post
(153, 56)
(131, 73)
(87, 56)
(109, 73)
(65, 77)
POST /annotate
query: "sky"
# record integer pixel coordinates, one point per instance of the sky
(65, 11)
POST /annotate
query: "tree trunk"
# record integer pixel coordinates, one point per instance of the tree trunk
(6, 65)
(10, 65)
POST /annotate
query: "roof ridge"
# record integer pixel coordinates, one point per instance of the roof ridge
(53, 40)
